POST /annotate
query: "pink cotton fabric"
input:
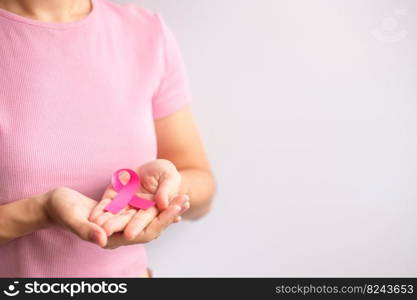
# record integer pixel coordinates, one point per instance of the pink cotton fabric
(78, 102)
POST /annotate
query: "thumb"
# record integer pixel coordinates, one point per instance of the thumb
(163, 193)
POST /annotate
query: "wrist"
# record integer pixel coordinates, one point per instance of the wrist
(41, 209)
(22, 217)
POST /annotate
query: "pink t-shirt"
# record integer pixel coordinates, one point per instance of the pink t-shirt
(77, 102)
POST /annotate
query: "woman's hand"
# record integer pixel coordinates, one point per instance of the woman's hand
(160, 182)
(155, 228)
(161, 179)
(70, 209)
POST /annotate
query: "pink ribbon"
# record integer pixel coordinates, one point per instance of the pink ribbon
(126, 193)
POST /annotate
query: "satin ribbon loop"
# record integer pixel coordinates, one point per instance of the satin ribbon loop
(126, 193)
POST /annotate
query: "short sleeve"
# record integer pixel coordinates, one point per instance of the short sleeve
(174, 88)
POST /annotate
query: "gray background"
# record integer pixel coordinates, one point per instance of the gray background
(308, 112)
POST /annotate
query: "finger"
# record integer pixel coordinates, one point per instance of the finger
(110, 192)
(161, 222)
(168, 216)
(97, 235)
(139, 221)
(118, 222)
(180, 200)
(166, 190)
(186, 206)
(99, 209)
(162, 195)
(89, 231)
(103, 218)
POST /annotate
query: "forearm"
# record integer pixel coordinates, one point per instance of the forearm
(200, 186)
(22, 217)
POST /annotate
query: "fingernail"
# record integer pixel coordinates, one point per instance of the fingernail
(177, 208)
(180, 202)
(129, 235)
(186, 205)
(184, 199)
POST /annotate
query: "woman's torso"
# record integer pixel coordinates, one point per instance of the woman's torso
(75, 105)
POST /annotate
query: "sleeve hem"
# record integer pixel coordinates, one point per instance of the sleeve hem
(171, 109)
(174, 89)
